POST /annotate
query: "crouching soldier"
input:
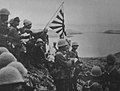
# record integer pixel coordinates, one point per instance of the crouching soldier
(62, 65)
(112, 75)
(96, 81)
(24, 72)
(11, 79)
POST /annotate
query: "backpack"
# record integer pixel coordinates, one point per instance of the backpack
(96, 87)
(92, 86)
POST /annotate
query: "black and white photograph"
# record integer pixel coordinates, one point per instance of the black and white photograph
(59, 45)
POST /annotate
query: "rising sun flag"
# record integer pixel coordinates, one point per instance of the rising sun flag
(57, 22)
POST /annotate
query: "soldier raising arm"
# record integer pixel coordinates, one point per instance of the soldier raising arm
(62, 66)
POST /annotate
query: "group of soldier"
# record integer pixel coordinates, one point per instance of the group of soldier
(11, 35)
(15, 50)
(69, 68)
(66, 69)
(12, 73)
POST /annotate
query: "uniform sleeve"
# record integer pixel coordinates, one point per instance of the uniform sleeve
(10, 32)
(77, 55)
(13, 33)
(21, 30)
(60, 60)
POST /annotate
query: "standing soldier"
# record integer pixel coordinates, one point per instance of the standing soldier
(26, 34)
(74, 48)
(4, 14)
(76, 68)
(26, 28)
(44, 36)
(14, 36)
(62, 67)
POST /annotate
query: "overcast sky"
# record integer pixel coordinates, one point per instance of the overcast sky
(77, 12)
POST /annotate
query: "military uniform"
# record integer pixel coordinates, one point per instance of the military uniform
(75, 53)
(62, 72)
(26, 33)
(74, 74)
(4, 14)
(112, 78)
(15, 40)
(13, 34)
(3, 32)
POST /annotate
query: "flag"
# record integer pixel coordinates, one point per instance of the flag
(58, 25)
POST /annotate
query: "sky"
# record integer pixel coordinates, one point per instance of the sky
(77, 12)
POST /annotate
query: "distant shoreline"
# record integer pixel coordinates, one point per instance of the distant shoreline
(112, 32)
(99, 61)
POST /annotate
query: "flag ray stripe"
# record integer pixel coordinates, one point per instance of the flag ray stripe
(65, 33)
(61, 13)
(59, 30)
(55, 27)
(59, 18)
(61, 35)
(56, 22)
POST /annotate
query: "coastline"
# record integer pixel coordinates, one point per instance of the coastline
(99, 61)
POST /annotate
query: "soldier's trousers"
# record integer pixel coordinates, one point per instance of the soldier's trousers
(114, 87)
(74, 83)
(63, 85)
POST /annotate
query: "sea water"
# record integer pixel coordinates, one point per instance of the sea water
(95, 44)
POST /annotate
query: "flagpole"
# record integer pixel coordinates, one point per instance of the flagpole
(53, 15)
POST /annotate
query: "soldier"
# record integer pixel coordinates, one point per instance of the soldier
(6, 58)
(4, 14)
(20, 68)
(13, 30)
(75, 68)
(38, 54)
(14, 36)
(11, 80)
(3, 49)
(62, 76)
(96, 77)
(26, 29)
(44, 36)
(96, 87)
(74, 48)
(24, 72)
(112, 75)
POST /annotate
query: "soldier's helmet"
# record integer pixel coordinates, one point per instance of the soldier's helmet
(6, 58)
(27, 22)
(111, 59)
(20, 67)
(4, 11)
(62, 42)
(10, 75)
(96, 71)
(96, 87)
(3, 49)
(75, 44)
(16, 19)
